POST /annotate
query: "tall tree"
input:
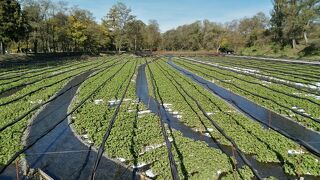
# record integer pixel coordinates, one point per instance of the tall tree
(117, 18)
(135, 31)
(235, 40)
(152, 35)
(62, 39)
(253, 28)
(293, 28)
(214, 35)
(32, 12)
(170, 40)
(292, 18)
(39, 14)
(11, 22)
(278, 21)
(310, 12)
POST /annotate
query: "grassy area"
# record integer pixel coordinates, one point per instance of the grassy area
(303, 52)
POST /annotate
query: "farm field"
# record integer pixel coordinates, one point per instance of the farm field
(99, 90)
(290, 94)
(25, 94)
(129, 116)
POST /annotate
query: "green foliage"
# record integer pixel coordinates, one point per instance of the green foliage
(116, 20)
(291, 23)
(135, 32)
(238, 82)
(253, 29)
(55, 28)
(131, 134)
(152, 36)
(293, 19)
(266, 145)
(311, 50)
(244, 172)
(216, 37)
(13, 23)
(10, 139)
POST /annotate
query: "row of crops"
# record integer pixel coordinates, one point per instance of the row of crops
(266, 145)
(25, 67)
(300, 73)
(136, 138)
(16, 80)
(292, 102)
(21, 106)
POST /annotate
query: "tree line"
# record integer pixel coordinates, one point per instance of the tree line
(44, 26)
(291, 22)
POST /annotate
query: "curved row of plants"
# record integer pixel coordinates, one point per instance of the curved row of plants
(34, 78)
(236, 173)
(307, 77)
(10, 138)
(45, 71)
(279, 98)
(18, 95)
(13, 70)
(266, 145)
(310, 88)
(136, 138)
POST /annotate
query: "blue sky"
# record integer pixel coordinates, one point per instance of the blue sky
(172, 13)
